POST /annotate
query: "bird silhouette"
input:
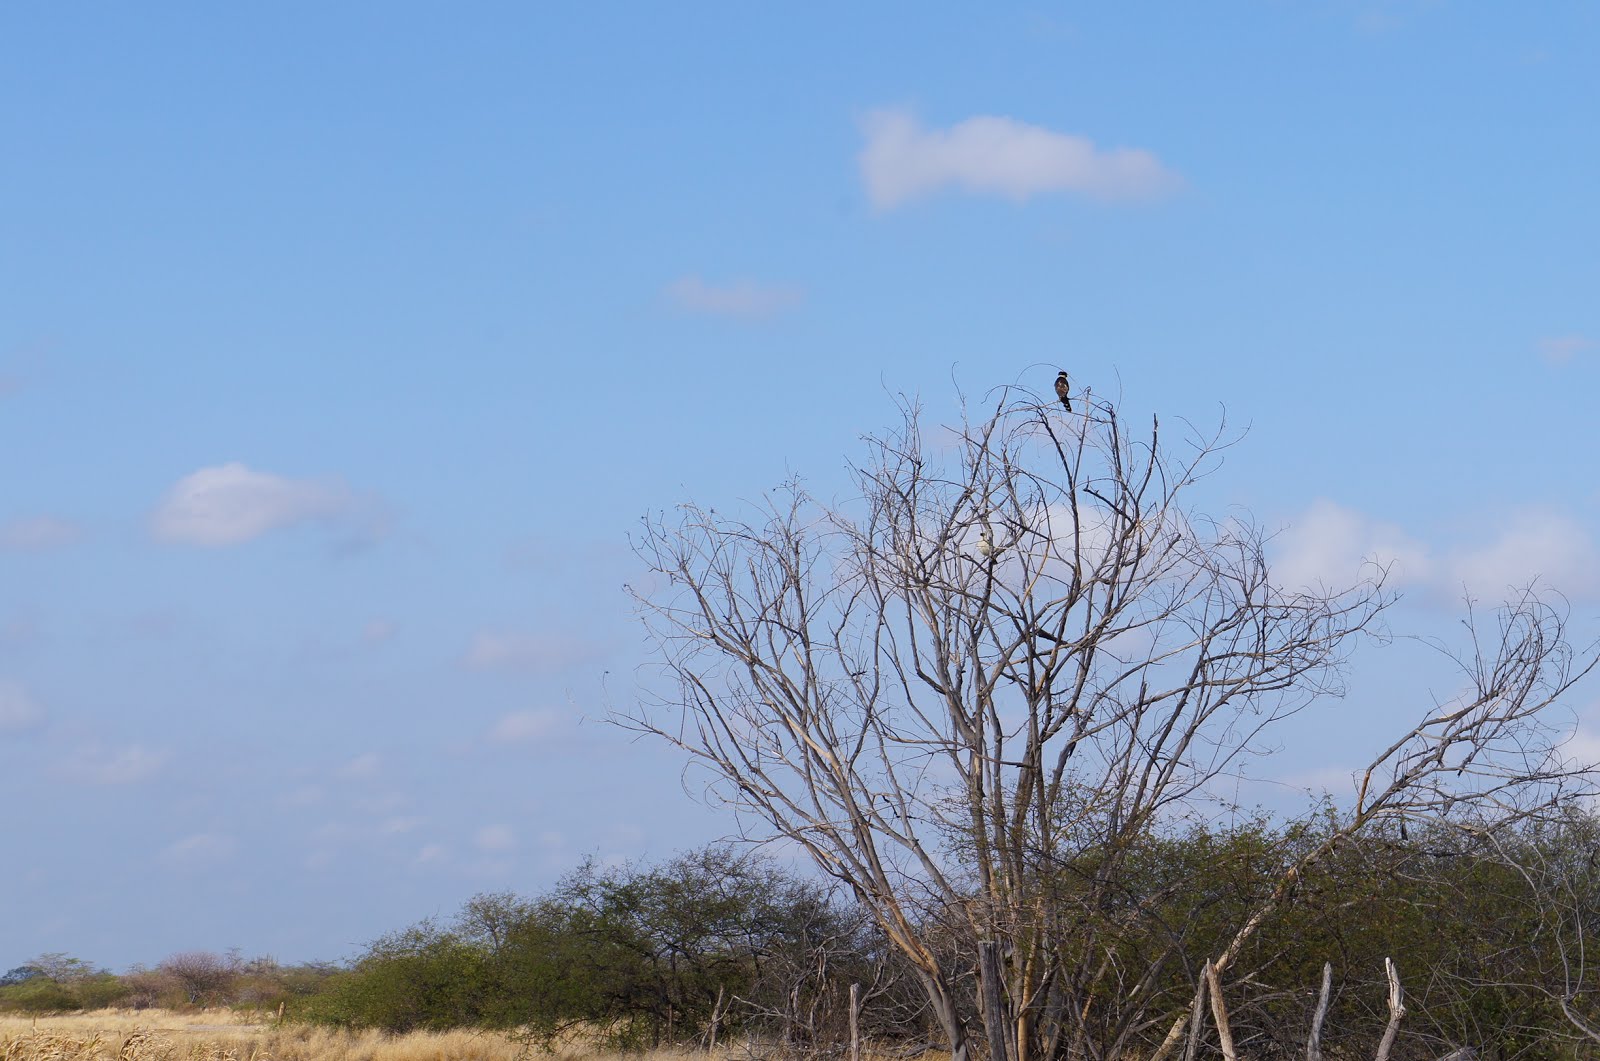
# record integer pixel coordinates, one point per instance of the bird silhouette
(1064, 390)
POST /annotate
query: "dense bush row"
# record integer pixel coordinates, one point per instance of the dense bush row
(54, 983)
(719, 943)
(643, 956)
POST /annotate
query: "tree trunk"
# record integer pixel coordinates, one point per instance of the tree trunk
(855, 1022)
(1314, 1043)
(943, 1004)
(996, 1014)
(1219, 1013)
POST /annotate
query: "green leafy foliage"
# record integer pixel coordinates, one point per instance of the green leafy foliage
(641, 956)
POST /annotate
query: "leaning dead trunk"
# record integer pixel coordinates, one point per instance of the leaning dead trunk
(1397, 1009)
(1314, 1040)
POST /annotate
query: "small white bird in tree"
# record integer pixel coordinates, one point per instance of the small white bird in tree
(1064, 390)
(986, 546)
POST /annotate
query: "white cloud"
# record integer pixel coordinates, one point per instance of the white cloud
(115, 766)
(521, 726)
(496, 838)
(1582, 748)
(528, 651)
(1560, 349)
(1534, 545)
(33, 533)
(740, 298)
(1329, 544)
(991, 155)
(200, 848)
(432, 853)
(19, 712)
(229, 504)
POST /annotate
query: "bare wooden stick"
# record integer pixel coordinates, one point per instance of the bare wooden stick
(1192, 1048)
(1219, 1013)
(855, 1022)
(1314, 1043)
(717, 1013)
(1397, 1009)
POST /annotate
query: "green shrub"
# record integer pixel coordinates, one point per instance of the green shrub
(101, 991)
(39, 995)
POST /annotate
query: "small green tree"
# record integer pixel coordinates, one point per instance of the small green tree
(424, 977)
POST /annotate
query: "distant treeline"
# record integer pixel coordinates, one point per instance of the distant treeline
(721, 943)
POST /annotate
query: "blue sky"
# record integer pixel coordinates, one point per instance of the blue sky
(342, 345)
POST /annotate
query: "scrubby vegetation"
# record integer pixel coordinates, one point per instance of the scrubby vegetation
(723, 945)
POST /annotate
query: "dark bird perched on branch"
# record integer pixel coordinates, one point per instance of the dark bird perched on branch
(1064, 390)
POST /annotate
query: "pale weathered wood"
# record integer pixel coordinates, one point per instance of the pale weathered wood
(855, 1022)
(1397, 1009)
(1314, 1043)
(1192, 1048)
(717, 1013)
(1219, 1013)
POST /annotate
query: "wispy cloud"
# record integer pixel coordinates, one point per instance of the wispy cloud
(528, 651)
(32, 533)
(115, 766)
(495, 838)
(520, 726)
(738, 298)
(1329, 544)
(229, 504)
(19, 711)
(992, 155)
(1561, 349)
(200, 848)
(1541, 544)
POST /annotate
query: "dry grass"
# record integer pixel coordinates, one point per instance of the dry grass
(221, 1035)
(224, 1035)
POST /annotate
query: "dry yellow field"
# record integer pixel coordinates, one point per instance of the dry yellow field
(223, 1035)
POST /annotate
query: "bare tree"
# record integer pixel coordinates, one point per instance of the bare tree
(971, 690)
(204, 976)
(1483, 763)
